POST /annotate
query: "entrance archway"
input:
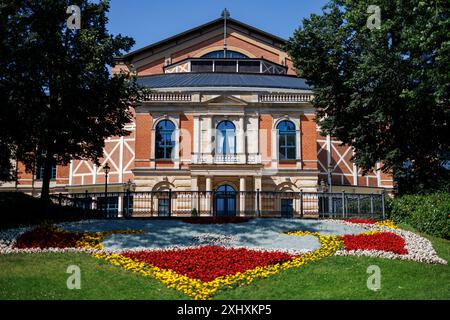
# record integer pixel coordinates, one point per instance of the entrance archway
(225, 201)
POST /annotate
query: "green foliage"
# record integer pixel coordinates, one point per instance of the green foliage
(59, 100)
(194, 212)
(427, 213)
(383, 91)
(17, 209)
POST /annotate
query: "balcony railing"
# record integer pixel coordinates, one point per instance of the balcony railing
(170, 97)
(226, 159)
(285, 98)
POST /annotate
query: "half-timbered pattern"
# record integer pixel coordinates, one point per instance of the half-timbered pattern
(227, 119)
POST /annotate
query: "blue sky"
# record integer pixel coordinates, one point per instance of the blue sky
(149, 21)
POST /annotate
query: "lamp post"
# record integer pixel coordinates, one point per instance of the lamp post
(330, 178)
(106, 169)
(129, 185)
(129, 188)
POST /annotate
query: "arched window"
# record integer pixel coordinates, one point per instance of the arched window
(286, 140)
(164, 139)
(226, 138)
(230, 54)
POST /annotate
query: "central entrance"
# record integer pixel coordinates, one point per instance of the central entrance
(225, 201)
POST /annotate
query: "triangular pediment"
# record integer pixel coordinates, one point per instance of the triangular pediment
(223, 100)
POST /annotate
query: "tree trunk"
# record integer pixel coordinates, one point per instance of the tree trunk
(45, 190)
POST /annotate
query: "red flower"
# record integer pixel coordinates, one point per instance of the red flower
(357, 220)
(383, 241)
(44, 237)
(209, 262)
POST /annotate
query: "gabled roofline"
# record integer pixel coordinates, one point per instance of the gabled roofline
(205, 25)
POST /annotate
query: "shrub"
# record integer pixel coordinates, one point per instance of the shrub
(427, 213)
(17, 208)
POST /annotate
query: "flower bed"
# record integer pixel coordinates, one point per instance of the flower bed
(199, 289)
(47, 237)
(358, 220)
(384, 223)
(209, 262)
(417, 248)
(43, 238)
(216, 261)
(383, 241)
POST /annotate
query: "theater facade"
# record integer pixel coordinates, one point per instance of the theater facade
(226, 113)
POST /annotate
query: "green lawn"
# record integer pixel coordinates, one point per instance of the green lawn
(43, 276)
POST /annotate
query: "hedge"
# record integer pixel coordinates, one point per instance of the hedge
(427, 213)
(17, 208)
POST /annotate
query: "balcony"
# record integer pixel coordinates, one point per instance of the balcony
(226, 159)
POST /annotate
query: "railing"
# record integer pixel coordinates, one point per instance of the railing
(184, 97)
(239, 203)
(226, 158)
(285, 98)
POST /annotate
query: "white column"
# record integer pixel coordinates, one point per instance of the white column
(197, 139)
(274, 148)
(152, 149)
(240, 148)
(121, 159)
(176, 160)
(298, 148)
(242, 196)
(209, 207)
(207, 133)
(195, 197)
(119, 205)
(258, 186)
(94, 176)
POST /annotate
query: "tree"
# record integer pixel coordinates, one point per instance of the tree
(59, 99)
(384, 90)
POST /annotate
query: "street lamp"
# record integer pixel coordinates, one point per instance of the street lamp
(129, 188)
(330, 178)
(130, 185)
(106, 169)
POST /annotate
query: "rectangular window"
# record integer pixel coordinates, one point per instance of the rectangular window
(165, 146)
(40, 172)
(249, 66)
(201, 66)
(287, 147)
(225, 66)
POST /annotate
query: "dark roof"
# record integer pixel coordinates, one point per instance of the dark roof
(175, 80)
(198, 29)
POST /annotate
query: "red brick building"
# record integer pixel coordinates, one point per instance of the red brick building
(226, 112)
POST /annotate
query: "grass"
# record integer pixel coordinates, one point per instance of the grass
(43, 276)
